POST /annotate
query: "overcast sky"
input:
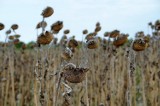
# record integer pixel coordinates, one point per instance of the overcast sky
(128, 16)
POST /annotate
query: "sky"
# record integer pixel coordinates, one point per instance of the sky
(128, 16)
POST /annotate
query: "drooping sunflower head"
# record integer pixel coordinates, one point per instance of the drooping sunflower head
(47, 12)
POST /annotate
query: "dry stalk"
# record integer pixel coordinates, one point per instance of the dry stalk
(131, 69)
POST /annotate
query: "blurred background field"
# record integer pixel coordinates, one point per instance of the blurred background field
(57, 59)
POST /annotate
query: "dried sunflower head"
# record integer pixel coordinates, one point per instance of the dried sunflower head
(106, 34)
(85, 31)
(67, 54)
(89, 36)
(146, 39)
(150, 23)
(42, 24)
(114, 33)
(98, 28)
(98, 24)
(45, 38)
(120, 40)
(11, 37)
(8, 32)
(56, 27)
(157, 22)
(47, 12)
(92, 43)
(155, 33)
(140, 34)
(139, 45)
(1, 26)
(17, 36)
(157, 25)
(14, 26)
(74, 74)
(72, 43)
(67, 31)
(16, 41)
